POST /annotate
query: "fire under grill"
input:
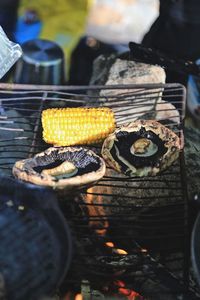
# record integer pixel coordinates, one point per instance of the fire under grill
(131, 238)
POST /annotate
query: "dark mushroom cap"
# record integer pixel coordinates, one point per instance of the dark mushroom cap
(89, 168)
(141, 148)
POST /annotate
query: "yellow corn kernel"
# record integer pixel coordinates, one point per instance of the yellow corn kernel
(77, 126)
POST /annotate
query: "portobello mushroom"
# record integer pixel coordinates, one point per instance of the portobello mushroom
(141, 148)
(62, 168)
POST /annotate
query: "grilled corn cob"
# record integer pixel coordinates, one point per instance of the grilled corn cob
(77, 126)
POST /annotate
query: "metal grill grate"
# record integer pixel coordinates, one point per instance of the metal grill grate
(142, 217)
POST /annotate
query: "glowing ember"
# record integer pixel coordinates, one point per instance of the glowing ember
(119, 283)
(144, 250)
(116, 250)
(130, 294)
(78, 297)
(119, 251)
(110, 245)
(72, 296)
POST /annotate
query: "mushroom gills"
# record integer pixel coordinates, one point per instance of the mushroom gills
(81, 160)
(140, 149)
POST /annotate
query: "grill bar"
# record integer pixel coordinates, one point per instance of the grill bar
(151, 211)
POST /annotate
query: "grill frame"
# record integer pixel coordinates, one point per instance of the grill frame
(12, 96)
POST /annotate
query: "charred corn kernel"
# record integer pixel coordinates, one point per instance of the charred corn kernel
(77, 126)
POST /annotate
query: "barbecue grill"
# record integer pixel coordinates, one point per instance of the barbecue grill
(131, 236)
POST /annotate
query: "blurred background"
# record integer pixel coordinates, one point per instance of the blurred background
(68, 22)
(81, 30)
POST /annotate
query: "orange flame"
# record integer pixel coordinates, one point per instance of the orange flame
(78, 297)
(97, 211)
(120, 251)
(116, 250)
(110, 244)
(70, 296)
